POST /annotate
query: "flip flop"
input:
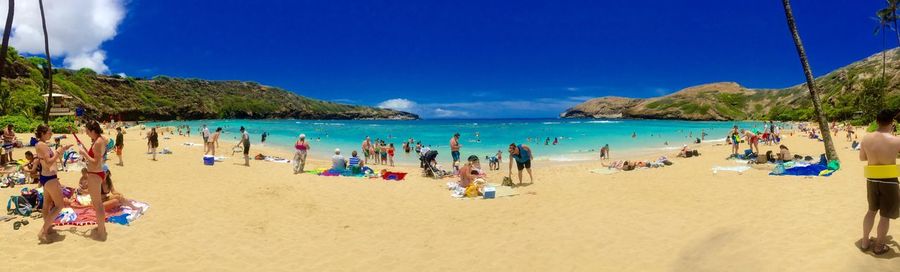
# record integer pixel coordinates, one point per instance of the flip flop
(871, 242)
(17, 225)
(884, 249)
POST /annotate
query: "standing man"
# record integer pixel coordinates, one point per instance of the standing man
(454, 147)
(366, 146)
(264, 135)
(880, 149)
(205, 134)
(245, 141)
(120, 144)
(9, 141)
(522, 155)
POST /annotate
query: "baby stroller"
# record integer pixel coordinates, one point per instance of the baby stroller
(429, 164)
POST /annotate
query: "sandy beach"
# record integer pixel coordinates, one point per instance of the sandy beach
(684, 217)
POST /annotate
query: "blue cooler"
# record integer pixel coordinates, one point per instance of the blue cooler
(489, 192)
(209, 160)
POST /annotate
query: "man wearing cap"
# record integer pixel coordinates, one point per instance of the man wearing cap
(454, 147)
(337, 161)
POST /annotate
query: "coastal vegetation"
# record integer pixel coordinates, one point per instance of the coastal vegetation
(163, 97)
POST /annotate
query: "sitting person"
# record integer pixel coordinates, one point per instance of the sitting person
(785, 154)
(469, 172)
(112, 199)
(31, 167)
(684, 152)
(354, 163)
(337, 161)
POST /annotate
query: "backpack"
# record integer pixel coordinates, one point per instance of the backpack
(18, 205)
(35, 198)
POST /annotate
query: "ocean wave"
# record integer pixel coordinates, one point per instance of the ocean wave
(604, 122)
(550, 123)
(327, 124)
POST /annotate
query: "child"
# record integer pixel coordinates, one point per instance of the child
(390, 152)
(383, 152)
(30, 168)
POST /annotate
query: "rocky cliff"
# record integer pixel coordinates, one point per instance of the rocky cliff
(847, 93)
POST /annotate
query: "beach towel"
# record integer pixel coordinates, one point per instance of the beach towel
(84, 216)
(393, 175)
(820, 169)
(739, 169)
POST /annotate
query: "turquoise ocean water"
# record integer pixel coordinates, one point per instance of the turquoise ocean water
(579, 139)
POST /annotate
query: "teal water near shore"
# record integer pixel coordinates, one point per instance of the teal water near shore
(579, 139)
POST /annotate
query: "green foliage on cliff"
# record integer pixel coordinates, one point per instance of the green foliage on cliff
(164, 98)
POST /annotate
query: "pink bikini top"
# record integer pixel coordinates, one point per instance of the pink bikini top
(301, 147)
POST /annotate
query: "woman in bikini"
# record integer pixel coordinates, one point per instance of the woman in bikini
(93, 158)
(47, 158)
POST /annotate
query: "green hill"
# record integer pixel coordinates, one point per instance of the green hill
(851, 93)
(166, 98)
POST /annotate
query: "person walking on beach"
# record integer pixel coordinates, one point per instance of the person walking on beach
(302, 146)
(454, 147)
(366, 146)
(522, 155)
(153, 142)
(213, 142)
(205, 134)
(264, 135)
(880, 148)
(245, 141)
(604, 152)
(9, 141)
(120, 144)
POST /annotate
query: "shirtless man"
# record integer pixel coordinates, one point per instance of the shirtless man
(9, 141)
(454, 147)
(880, 148)
(366, 147)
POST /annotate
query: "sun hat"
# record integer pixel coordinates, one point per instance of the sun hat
(302, 136)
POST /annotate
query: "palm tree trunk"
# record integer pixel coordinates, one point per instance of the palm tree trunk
(3, 48)
(810, 83)
(883, 52)
(49, 72)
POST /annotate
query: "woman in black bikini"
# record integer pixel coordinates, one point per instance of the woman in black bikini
(93, 159)
(47, 158)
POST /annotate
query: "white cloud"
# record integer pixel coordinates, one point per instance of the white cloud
(399, 104)
(572, 89)
(547, 107)
(442, 113)
(76, 29)
(122, 75)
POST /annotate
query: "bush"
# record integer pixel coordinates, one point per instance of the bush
(22, 124)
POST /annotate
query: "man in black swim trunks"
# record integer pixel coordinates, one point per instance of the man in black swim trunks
(880, 148)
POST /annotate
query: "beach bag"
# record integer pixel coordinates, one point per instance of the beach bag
(18, 205)
(507, 181)
(34, 198)
(472, 190)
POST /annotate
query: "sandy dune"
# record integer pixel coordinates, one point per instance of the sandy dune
(263, 218)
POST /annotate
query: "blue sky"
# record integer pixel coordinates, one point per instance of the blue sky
(473, 58)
